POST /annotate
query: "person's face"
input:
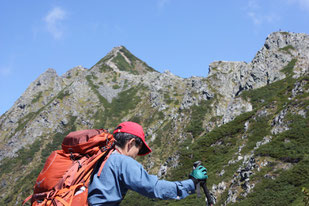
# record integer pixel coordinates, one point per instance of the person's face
(132, 149)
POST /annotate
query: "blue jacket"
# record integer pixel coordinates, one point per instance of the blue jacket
(121, 173)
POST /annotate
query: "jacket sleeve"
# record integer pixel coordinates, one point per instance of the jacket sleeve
(136, 178)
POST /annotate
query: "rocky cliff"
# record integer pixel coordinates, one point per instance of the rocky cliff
(230, 119)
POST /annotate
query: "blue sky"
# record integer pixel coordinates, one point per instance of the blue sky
(178, 35)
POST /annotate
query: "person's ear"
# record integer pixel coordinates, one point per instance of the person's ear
(131, 143)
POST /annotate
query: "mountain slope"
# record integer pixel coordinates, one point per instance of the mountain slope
(248, 122)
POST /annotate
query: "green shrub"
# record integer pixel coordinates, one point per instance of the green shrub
(105, 68)
(158, 140)
(259, 128)
(23, 121)
(133, 59)
(287, 49)
(306, 196)
(94, 88)
(114, 78)
(274, 92)
(167, 98)
(37, 97)
(116, 86)
(136, 119)
(283, 190)
(114, 111)
(125, 85)
(24, 157)
(297, 145)
(198, 114)
(128, 54)
(216, 156)
(288, 69)
(63, 94)
(122, 64)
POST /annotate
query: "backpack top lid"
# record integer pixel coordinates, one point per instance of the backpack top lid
(85, 141)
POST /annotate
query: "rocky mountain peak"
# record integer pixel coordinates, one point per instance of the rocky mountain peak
(47, 75)
(121, 60)
(117, 49)
(49, 80)
(279, 40)
(73, 74)
(214, 117)
(75, 71)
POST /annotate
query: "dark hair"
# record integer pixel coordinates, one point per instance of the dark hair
(122, 138)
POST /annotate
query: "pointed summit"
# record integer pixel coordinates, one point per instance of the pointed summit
(121, 59)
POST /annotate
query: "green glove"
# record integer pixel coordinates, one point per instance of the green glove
(199, 173)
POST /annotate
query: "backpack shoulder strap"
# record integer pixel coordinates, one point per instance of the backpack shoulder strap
(104, 161)
(27, 199)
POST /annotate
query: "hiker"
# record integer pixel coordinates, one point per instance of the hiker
(122, 172)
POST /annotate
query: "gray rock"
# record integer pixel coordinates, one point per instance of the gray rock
(278, 123)
(49, 103)
(236, 107)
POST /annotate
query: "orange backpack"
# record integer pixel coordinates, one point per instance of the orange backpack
(66, 174)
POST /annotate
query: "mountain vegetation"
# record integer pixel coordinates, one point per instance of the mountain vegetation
(247, 122)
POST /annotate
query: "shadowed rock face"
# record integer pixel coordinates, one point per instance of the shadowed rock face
(122, 87)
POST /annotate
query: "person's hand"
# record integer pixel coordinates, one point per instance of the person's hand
(199, 174)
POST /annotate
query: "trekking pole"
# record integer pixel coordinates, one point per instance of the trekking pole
(207, 196)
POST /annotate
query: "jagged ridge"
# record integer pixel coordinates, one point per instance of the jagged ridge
(179, 115)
